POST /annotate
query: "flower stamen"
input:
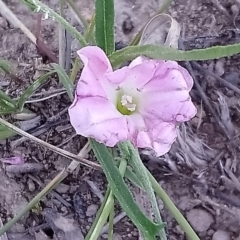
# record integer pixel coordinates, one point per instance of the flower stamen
(127, 101)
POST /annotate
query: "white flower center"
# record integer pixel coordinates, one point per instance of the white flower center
(127, 102)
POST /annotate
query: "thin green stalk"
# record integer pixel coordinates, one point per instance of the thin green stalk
(89, 32)
(140, 171)
(103, 218)
(106, 209)
(110, 224)
(75, 9)
(164, 6)
(75, 69)
(162, 9)
(99, 213)
(173, 209)
(34, 201)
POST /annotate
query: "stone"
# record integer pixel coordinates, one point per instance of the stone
(200, 219)
(219, 68)
(91, 210)
(62, 188)
(221, 235)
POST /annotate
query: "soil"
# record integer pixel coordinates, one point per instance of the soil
(200, 174)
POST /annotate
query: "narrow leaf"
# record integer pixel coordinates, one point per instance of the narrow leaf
(64, 79)
(122, 193)
(7, 105)
(5, 132)
(6, 66)
(30, 90)
(104, 24)
(166, 53)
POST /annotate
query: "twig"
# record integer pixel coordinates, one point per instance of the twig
(45, 98)
(206, 101)
(223, 10)
(24, 168)
(222, 80)
(118, 218)
(95, 190)
(59, 151)
(204, 97)
(53, 193)
(68, 52)
(11, 17)
(62, 38)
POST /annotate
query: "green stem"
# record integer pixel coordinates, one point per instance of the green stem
(173, 209)
(39, 6)
(107, 207)
(75, 69)
(140, 171)
(89, 32)
(110, 224)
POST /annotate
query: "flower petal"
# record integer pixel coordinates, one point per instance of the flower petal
(96, 60)
(167, 97)
(98, 118)
(13, 160)
(151, 133)
(96, 64)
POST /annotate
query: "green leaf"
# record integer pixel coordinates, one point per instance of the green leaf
(7, 105)
(122, 193)
(5, 132)
(130, 175)
(104, 24)
(64, 79)
(165, 53)
(30, 90)
(6, 66)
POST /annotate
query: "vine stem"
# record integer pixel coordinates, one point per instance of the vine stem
(172, 208)
(129, 152)
(106, 209)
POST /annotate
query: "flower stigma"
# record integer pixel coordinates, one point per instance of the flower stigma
(125, 104)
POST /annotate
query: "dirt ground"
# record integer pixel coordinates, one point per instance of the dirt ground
(201, 173)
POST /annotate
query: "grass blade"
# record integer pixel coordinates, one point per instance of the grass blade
(64, 79)
(30, 90)
(6, 67)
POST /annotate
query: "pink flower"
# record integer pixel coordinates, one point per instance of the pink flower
(13, 160)
(143, 102)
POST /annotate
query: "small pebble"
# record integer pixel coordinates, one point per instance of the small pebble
(221, 235)
(91, 210)
(232, 77)
(219, 68)
(235, 10)
(3, 23)
(31, 185)
(200, 219)
(116, 237)
(62, 188)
